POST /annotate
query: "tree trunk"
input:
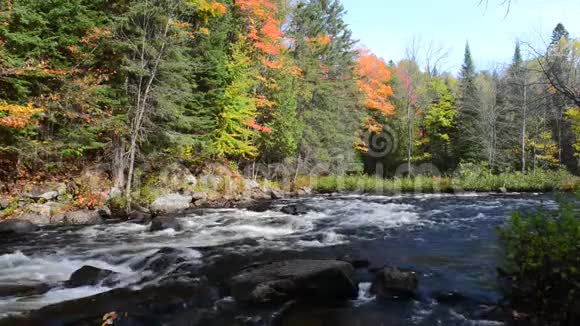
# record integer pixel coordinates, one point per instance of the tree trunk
(524, 113)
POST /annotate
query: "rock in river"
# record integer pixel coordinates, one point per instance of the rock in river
(165, 222)
(295, 209)
(393, 282)
(17, 227)
(154, 305)
(89, 275)
(294, 279)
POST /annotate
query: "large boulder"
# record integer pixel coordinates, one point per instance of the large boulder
(38, 213)
(17, 227)
(165, 222)
(392, 282)
(171, 203)
(294, 279)
(152, 305)
(90, 276)
(80, 217)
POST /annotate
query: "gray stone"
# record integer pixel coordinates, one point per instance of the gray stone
(37, 213)
(288, 280)
(171, 203)
(17, 227)
(48, 196)
(4, 203)
(392, 282)
(81, 217)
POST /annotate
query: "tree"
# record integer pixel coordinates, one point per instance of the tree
(440, 124)
(153, 37)
(234, 133)
(322, 48)
(469, 146)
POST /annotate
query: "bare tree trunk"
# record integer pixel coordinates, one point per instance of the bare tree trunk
(524, 114)
(142, 105)
(410, 135)
(119, 162)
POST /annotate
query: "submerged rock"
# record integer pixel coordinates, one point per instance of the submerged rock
(295, 209)
(392, 282)
(17, 227)
(294, 279)
(90, 276)
(23, 289)
(171, 203)
(164, 223)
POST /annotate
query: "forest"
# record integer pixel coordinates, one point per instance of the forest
(135, 85)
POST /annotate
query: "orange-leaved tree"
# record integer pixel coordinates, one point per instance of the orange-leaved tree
(373, 79)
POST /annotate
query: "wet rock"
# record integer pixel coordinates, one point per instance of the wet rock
(171, 203)
(165, 222)
(22, 290)
(294, 279)
(90, 276)
(80, 217)
(154, 305)
(295, 209)
(392, 282)
(356, 263)
(17, 227)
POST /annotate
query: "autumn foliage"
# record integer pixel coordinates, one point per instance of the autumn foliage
(374, 77)
(17, 116)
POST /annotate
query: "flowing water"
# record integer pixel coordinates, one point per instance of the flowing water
(450, 240)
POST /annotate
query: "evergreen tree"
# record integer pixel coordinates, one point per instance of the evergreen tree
(469, 142)
(323, 50)
(560, 32)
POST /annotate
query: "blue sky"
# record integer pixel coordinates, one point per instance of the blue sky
(386, 27)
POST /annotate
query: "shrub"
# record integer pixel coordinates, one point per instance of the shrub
(542, 262)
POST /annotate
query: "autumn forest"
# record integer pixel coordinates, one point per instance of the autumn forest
(138, 84)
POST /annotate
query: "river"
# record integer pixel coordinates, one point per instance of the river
(449, 240)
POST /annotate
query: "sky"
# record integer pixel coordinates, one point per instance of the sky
(387, 27)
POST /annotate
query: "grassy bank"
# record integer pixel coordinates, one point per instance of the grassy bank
(540, 181)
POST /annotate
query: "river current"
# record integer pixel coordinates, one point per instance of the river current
(450, 240)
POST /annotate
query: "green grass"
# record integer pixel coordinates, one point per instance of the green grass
(539, 181)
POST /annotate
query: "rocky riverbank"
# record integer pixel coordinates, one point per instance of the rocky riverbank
(89, 200)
